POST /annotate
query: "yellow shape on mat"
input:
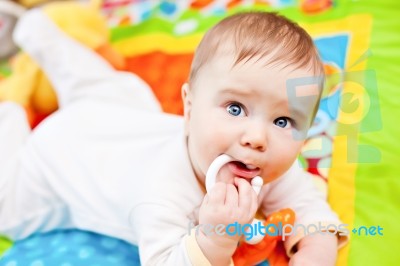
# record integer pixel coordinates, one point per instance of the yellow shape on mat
(163, 42)
(341, 189)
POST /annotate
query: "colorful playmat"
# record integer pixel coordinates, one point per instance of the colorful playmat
(353, 145)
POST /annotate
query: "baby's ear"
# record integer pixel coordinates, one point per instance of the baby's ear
(186, 97)
(187, 104)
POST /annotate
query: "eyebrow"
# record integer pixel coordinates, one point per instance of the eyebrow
(237, 91)
(298, 112)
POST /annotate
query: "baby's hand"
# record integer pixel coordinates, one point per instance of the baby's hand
(225, 205)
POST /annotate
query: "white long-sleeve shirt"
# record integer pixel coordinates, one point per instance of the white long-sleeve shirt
(111, 162)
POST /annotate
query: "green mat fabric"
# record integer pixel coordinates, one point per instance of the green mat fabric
(4, 245)
(377, 182)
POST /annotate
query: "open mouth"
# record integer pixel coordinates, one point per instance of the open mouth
(240, 169)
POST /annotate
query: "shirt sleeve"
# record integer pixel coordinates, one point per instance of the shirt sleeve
(296, 190)
(26, 203)
(165, 236)
(14, 129)
(195, 254)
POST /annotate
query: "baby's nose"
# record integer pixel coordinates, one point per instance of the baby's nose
(255, 136)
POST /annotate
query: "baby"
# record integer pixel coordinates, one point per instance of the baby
(111, 162)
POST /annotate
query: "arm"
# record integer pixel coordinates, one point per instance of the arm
(163, 235)
(225, 204)
(168, 237)
(14, 129)
(295, 189)
(25, 201)
(316, 250)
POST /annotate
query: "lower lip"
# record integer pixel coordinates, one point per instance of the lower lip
(243, 172)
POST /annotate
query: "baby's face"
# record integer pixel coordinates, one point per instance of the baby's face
(247, 112)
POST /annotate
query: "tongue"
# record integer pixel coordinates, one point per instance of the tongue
(239, 169)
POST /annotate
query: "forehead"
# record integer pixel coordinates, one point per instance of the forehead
(259, 72)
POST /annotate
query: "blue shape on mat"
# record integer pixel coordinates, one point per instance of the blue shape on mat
(333, 48)
(71, 248)
(264, 263)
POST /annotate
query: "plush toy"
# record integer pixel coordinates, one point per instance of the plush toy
(31, 3)
(28, 86)
(9, 14)
(271, 246)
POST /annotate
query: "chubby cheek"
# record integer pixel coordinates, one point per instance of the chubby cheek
(208, 141)
(284, 157)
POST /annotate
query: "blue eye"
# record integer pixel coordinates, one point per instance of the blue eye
(235, 109)
(282, 122)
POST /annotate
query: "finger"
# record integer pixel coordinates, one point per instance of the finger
(254, 203)
(245, 193)
(217, 194)
(232, 196)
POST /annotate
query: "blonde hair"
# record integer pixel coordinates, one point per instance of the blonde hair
(258, 34)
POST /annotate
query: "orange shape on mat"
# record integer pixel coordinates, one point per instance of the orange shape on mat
(166, 83)
(271, 247)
